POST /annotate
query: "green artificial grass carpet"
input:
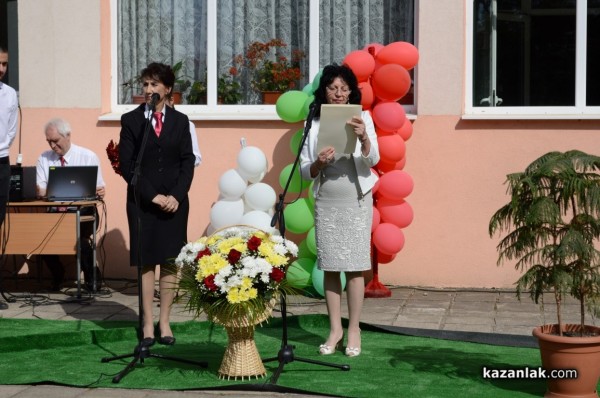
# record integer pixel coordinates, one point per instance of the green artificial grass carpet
(392, 365)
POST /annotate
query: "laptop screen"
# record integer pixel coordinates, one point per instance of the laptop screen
(71, 183)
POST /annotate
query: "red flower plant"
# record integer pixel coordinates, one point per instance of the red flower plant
(233, 256)
(210, 284)
(275, 73)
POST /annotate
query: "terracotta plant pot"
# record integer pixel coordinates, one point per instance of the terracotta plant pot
(568, 352)
(177, 97)
(138, 99)
(270, 97)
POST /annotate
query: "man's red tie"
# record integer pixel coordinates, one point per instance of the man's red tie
(159, 123)
(62, 161)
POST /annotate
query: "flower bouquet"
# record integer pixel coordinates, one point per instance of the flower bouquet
(235, 276)
(112, 151)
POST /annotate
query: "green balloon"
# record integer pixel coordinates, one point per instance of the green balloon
(307, 103)
(290, 106)
(297, 184)
(311, 242)
(317, 280)
(310, 194)
(317, 80)
(304, 251)
(298, 216)
(295, 141)
(308, 89)
(299, 272)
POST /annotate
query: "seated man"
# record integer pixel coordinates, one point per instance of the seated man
(64, 153)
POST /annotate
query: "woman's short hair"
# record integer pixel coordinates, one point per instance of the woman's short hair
(161, 72)
(330, 72)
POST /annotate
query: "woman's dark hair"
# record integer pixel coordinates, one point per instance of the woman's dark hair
(330, 72)
(161, 72)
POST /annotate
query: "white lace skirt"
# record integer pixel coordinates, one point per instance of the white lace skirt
(343, 218)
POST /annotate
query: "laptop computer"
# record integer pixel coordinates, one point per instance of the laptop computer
(71, 183)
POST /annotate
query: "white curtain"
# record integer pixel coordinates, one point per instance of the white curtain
(160, 31)
(347, 25)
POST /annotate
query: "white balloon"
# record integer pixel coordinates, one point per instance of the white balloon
(226, 212)
(251, 162)
(232, 185)
(260, 196)
(256, 178)
(210, 229)
(258, 219)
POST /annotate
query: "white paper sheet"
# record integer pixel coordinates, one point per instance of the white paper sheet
(334, 130)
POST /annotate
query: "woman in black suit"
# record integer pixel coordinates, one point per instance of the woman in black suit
(159, 198)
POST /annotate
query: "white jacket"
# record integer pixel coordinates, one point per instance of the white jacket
(366, 178)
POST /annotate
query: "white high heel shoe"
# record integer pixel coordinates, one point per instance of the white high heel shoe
(353, 351)
(325, 349)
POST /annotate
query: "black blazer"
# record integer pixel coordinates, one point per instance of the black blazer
(167, 168)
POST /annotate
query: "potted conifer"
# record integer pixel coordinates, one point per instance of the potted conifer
(552, 226)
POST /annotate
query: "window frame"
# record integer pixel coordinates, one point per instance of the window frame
(578, 111)
(211, 110)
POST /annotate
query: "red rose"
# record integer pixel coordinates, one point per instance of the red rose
(209, 282)
(233, 257)
(276, 274)
(203, 253)
(253, 243)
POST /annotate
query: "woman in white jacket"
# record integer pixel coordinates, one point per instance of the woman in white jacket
(343, 206)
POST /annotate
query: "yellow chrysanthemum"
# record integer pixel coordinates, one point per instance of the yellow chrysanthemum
(246, 283)
(209, 265)
(268, 252)
(235, 242)
(233, 295)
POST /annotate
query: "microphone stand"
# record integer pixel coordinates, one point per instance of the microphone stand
(141, 351)
(286, 353)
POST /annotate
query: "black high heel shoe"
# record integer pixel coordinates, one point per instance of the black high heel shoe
(164, 340)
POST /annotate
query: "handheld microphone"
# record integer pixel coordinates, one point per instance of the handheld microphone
(154, 99)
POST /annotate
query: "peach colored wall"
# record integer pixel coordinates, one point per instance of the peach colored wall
(458, 166)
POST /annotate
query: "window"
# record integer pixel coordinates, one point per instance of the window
(534, 57)
(207, 39)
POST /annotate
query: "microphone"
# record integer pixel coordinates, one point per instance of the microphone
(311, 114)
(154, 99)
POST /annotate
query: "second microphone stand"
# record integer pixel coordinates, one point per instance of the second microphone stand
(286, 352)
(141, 351)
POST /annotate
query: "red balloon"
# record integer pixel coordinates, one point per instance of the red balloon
(390, 82)
(385, 258)
(362, 64)
(388, 238)
(376, 219)
(366, 95)
(406, 130)
(381, 133)
(385, 167)
(399, 52)
(391, 148)
(389, 116)
(373, 48)
(395, 184)
(401, 163)
(376, 186)
(399, 213)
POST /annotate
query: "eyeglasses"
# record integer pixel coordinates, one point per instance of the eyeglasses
(342, 90)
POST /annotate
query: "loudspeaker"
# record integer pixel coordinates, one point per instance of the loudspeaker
(22, 183)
